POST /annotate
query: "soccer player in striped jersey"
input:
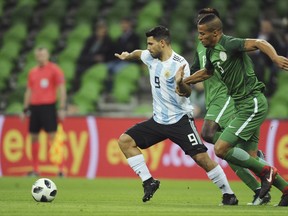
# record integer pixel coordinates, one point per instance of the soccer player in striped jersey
(172, 116)
(226, 57)
(220, 109)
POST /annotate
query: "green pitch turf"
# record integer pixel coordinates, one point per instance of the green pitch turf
(124, 197)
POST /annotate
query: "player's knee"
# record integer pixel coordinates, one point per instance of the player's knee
(125, 141)
(219, 151)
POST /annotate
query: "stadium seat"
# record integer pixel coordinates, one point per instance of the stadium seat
(55, 11)
(122, 90)
(87, 96)
(22, 77)
(79, 33)
(42, 42)
(14, 108)
(6, 69)
(126, 83)
(10, 50)
(152, 9)
(68, 69)
(120, 9)
(114, 30)
(16, 33)
(70, 52)
(130, 72)
(282, 7)
(1, 7)
(84, 107)
(179, 25)
(221, 6)
(97, 74)
(23, 10)
(87, 11)
(186, 9)
(49, 32)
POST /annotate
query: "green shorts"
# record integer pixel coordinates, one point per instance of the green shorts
(221, 111)
(245, 126)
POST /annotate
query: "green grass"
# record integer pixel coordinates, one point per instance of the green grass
(123, 197)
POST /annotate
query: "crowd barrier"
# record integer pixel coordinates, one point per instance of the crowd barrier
(88, 148)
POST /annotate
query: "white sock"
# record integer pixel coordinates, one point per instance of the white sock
(137, 163)
(218, 177)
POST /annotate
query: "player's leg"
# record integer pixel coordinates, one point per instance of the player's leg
(34, 129)
(142, 135)
(251, 149)
(250, 113)
(35, 154)
(184, 133)
(216, 119)
(49, 124)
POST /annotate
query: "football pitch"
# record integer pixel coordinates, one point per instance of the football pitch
(124, 197)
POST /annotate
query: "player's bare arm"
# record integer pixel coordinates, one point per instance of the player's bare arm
(182, 89)
(268, 49)
(199, 76)
(135, 55)
(27, 96)
(63, 96)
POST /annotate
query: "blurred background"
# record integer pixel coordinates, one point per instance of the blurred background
(82, 37)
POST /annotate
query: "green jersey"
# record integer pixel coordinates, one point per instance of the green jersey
(214, 87)
(230, 62)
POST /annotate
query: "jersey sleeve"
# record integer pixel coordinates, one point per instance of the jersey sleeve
(186, 69)
(208, 65)
(235, 44)
(195, 64)
(29, 81)
(59, 75)
(146, 57)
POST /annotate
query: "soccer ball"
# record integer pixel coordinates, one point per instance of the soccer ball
(44, 190)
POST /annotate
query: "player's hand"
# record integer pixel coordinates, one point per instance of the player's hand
(24, 114)
(178, 92)
(180, 74)
(282, 62)
(61, 114)
(122, 56)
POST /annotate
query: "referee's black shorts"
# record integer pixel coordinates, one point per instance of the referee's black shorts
(43, 117)
(182, 133)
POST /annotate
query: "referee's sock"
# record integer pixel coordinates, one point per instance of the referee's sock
(219, 178)
(35, 153)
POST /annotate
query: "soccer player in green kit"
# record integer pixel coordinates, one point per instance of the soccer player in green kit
(220, 109)
(227, 59)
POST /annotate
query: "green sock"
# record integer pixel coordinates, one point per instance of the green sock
(241, 158)
(280, 183)
(262, 161)
(246, 176)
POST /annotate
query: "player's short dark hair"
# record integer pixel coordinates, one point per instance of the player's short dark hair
(159, 33)
(212, 21)
(205, 11)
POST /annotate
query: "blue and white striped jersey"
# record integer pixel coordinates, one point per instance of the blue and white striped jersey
(168, 107)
